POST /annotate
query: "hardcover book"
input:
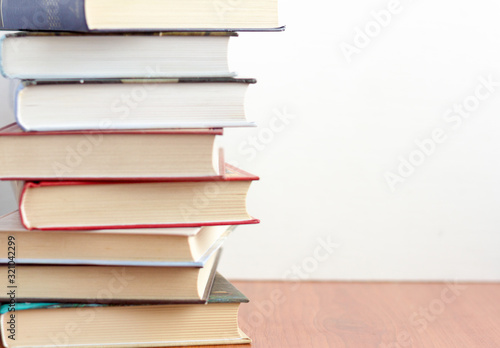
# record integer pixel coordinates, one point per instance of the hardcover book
(107, 284)
(132, 104)
(46, 325)
(138, 15)
(174, 247)
(128, 55)
(115, 205)
(110, 155)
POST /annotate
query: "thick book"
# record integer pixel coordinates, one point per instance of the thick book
(105, 284)
(175, 247)
(139, 15)
(110, 155)
(74, 325)
(78, 205)
(131, 104)
(141, 55)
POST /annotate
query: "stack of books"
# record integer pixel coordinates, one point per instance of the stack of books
(124, 197)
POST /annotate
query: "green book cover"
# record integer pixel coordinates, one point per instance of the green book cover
(222, 292)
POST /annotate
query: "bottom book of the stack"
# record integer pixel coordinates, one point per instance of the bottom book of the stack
(97, 325)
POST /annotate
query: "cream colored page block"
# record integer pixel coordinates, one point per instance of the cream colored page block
(103, 247)
(157, 14)
(137, 326)
(95, 155)
(136, 204)
(97, 283)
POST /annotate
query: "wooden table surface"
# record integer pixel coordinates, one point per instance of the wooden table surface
(365, 315)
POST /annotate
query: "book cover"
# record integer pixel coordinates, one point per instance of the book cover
(181, 324)
(187, 203)
(14, 129)
(27, 83)
(40, 283)
(219, 103)
(156, 247)
(131, 33)
(60, 55)
(221, 291)
(116, 155)
(53, 15)
(78, 15)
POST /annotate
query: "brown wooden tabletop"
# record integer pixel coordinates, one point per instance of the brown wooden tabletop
(364, 315)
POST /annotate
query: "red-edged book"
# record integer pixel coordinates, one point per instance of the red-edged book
(78, 205)
(148, 155)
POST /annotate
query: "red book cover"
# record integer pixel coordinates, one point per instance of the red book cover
(232, 174)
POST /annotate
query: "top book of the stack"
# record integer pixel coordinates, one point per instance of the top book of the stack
(139, 15)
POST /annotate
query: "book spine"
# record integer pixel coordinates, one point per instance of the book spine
(43, 15)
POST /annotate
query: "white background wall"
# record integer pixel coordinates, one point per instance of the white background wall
(327, 210)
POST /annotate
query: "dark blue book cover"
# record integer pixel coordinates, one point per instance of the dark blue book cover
(43, 15)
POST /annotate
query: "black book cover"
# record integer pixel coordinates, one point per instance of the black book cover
(26, 83)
